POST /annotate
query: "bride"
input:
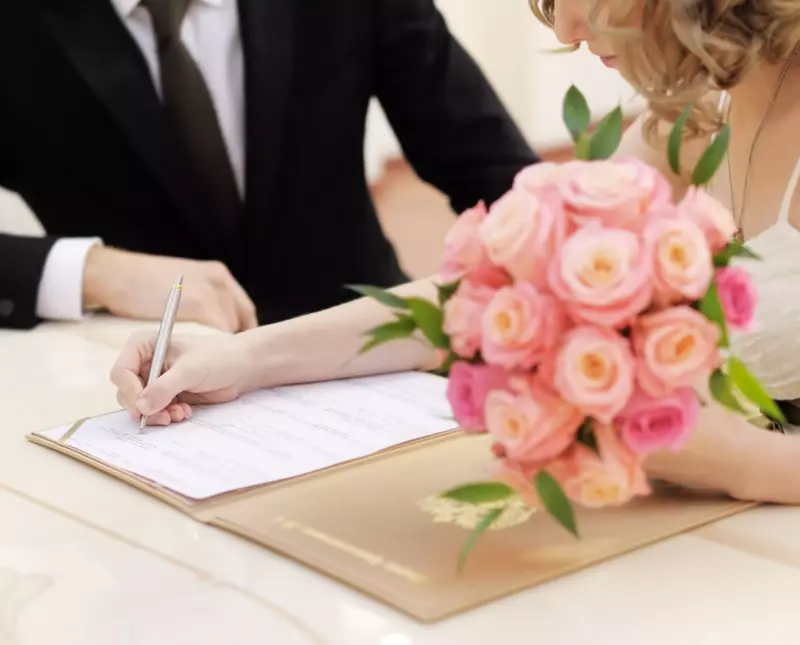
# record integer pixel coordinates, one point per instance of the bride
(737, 60)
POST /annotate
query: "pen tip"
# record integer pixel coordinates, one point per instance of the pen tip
(142, 423)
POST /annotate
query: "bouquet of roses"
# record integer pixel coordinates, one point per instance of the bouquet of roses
(576, 317)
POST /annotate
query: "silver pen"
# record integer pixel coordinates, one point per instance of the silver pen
(164, 334)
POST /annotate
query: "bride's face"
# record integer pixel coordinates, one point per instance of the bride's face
(573, 25)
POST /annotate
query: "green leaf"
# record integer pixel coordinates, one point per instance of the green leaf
(446, 291)
(586, 436)
(721, 389)
(480, 493)
(576, 113)
(607, 136)
(711, 308)
(734, 249)
(403, 327)
(486, 521)
(381, 295)
(555, 501)
(711, 159)
(582, 148)
(749, 386)
(430, 319)
(675, 138)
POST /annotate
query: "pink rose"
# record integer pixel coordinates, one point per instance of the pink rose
(545, 173)
(463, 313)
(464, 253)
(650, 424)
(710, 215)
(603, 276)
(611, 478)
(738, 297)
(674, 348)
(467, 387)
(619, 192)
(523, 232)
(520, 326)
(531, 423)
(682, 262)
(594, 371)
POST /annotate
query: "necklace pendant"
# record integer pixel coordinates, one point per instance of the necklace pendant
(738, 236)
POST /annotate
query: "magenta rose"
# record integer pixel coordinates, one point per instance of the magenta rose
(649, 424)
(738, 297)
(467, 388)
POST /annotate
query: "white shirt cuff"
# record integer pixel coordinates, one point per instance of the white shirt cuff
(61, 287)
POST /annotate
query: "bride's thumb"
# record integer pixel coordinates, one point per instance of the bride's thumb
(160, 393)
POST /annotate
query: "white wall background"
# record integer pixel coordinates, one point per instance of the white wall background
(511, 47)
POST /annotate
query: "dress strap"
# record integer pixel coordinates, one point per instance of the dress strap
(786, 204)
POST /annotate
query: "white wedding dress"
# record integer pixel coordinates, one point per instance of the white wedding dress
(772, 349)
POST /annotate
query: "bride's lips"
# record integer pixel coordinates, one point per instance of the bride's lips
(609, 61)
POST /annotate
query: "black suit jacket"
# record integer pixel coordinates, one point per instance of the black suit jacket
(84, 140)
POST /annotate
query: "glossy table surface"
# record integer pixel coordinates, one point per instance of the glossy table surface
(87, 560)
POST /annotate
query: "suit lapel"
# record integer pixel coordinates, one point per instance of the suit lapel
(98, 44)
(268, 38)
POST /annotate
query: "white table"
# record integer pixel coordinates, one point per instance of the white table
(87, 560)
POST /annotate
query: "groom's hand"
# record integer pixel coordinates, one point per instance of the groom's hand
(136, 285)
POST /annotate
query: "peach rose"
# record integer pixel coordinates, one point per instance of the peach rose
(674, 348)
(463, 313)
(520, 479)
(682, 262)
(603, 276)
(619, 192)
(531, 423)
(520, 326)
(464, 253)
(710, 215)
(523, 231)
(594, 370)
(611, 478)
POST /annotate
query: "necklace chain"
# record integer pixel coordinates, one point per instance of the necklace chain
(775, 92)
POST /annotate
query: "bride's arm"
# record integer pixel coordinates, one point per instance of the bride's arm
(730, 455)
(324, 345)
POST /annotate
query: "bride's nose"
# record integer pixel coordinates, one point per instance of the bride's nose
(571, 24)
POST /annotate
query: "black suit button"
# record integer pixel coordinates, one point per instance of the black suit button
(6, 308)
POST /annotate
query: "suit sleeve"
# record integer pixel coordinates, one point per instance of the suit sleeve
(22, 261)
(452, 126)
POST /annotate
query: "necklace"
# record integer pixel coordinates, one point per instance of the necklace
(739, 235)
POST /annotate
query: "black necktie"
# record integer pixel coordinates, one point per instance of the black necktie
(191, 109)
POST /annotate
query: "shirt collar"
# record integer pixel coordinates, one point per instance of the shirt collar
(127, 7)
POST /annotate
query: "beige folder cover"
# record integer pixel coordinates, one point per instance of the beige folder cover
(378, 525)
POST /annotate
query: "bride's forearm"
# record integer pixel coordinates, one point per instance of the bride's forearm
(732, 456)
(324, 345)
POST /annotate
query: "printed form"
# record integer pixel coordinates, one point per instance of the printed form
(270, 435)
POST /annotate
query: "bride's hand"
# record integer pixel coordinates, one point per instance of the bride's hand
(198, 369)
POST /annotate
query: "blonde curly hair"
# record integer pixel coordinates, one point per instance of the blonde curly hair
(687, 49)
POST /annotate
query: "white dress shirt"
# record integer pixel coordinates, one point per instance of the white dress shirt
(211, 33)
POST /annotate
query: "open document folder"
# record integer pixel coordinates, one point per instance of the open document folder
(346, 477)
(269, 435)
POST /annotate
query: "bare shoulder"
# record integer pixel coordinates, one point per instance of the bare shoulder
(634, 144)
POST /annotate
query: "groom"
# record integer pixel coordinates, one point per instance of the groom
(223, 140)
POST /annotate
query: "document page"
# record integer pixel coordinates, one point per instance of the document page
(271, 435)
